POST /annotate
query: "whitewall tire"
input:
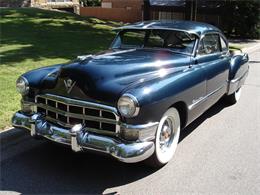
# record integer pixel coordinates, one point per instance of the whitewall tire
(167, 138)
(234, 97)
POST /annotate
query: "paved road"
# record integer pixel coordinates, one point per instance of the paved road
(218, 153)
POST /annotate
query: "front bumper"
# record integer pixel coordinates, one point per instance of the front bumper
(80, 139)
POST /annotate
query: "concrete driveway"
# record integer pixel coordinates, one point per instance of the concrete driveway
(218, 153)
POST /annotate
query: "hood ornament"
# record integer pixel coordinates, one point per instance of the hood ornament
(82, 58)
(69, 84)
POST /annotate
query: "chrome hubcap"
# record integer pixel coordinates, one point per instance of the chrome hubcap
(167, 135)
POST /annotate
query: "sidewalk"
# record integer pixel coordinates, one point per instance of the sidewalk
(247, 45)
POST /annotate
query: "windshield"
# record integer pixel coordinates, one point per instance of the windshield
(177, 41)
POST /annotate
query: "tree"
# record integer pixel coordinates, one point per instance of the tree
(241, 18)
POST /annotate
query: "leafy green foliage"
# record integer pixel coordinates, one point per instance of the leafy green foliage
(241, 18)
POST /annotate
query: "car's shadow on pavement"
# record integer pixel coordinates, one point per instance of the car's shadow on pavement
(38, 167)
(215, 109)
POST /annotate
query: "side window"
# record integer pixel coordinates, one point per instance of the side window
(223, 44)
(209, 44)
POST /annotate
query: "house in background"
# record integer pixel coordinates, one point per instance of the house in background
(65, 5)
(208, 11)
(137, 10)
(236, 18)
(116, 10)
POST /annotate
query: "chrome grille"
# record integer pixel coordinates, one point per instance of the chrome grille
(68, 112)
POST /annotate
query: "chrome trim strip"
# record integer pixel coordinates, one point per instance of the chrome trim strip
(202, 99)
(200, 39)
(74, 102)
(143, 126)
(144, 132)
(240, 78)
(156, 28)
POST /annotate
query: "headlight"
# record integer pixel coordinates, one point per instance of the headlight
(128, 105)
(22, 85)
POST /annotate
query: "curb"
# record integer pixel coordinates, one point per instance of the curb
(5, 130)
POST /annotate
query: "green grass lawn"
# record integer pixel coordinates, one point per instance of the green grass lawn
(32, 38)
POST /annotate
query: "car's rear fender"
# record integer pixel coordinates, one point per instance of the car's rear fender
(238, 71)
(238, 65)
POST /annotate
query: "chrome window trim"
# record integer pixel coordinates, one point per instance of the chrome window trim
(200, 39)
(172, 29)
(157, 28)
(221, 36)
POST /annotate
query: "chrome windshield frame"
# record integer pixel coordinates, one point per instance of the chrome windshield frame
(188, 33)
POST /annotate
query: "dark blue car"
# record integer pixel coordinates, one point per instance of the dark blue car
(132, 100)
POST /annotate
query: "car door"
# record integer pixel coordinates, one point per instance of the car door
(216, 65)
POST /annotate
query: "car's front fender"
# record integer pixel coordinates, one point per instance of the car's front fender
(156, 96)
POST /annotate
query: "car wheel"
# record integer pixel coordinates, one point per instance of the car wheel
(234, 97)
(166, 140)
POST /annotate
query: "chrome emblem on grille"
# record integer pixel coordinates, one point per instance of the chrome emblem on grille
(69, 84)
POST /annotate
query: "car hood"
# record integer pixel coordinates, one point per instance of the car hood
(104, 77)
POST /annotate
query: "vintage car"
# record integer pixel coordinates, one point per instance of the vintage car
(132, 100)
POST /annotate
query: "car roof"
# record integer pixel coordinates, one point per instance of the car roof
(197, 28)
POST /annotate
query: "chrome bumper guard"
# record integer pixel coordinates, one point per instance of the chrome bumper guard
(80, 139)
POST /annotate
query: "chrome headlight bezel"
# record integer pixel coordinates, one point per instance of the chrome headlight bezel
(22, 85)
(133, 105)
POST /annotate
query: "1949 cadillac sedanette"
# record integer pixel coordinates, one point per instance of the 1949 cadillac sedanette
(132, 100)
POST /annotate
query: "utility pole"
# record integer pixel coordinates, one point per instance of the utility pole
(146, 10)
(188, 10)
(191, 8)
(195, 10)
